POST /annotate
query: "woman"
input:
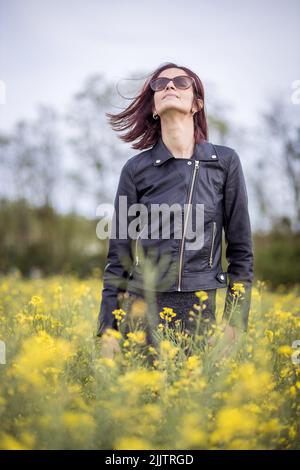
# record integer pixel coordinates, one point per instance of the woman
(205, 181)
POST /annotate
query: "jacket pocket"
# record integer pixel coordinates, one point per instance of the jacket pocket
(213, 236)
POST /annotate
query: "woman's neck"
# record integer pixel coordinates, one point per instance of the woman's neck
(179, 138)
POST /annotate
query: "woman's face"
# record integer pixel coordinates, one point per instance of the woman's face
(181, 100)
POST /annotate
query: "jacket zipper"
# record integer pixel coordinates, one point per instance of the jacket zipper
(197, 164)
(212, 244)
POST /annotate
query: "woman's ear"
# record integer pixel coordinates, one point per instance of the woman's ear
(200, 103)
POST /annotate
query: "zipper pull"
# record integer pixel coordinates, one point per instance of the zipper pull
(212, 244)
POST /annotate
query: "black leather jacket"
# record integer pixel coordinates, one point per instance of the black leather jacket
(213, 176)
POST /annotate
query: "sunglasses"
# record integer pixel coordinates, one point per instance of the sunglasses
(182, 82)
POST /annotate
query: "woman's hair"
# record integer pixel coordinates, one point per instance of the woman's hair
(138, 115)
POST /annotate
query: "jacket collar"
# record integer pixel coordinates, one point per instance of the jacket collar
(203, 151)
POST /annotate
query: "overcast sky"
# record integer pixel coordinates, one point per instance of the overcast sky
(248, 49)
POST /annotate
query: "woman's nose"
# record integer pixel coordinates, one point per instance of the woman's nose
(170, 84)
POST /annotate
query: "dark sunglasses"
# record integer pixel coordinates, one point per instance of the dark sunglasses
(182, 82)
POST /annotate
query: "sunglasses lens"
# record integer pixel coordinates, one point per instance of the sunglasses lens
(182, 82)
(158, 84)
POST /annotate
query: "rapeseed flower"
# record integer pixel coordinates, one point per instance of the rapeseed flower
(167, 314)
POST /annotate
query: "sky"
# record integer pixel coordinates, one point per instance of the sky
(248, 49)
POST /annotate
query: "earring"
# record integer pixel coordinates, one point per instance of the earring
(155, 116)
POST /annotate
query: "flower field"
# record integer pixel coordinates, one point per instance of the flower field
(58, 392)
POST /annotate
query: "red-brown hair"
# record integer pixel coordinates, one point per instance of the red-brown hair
(139, 119)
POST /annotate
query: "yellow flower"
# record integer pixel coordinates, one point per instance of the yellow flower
(137, 337)
(292, 432)
(81, 426)
(270, 426)
(238, 288)
(285, 372)
(167, 314)
(140, 380)
(37, 354)
(233, 422)
(36, 300)
(119, 313)
(270, 335)
(253, 408)
(193, 362)
(167, 349)
(152, 350)
(112, 332)
(285, 350)
(202, 295)
(191, 434)
(251, 382)
(8, 442)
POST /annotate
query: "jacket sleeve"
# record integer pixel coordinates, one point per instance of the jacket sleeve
(239, 251)
(119, 257)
